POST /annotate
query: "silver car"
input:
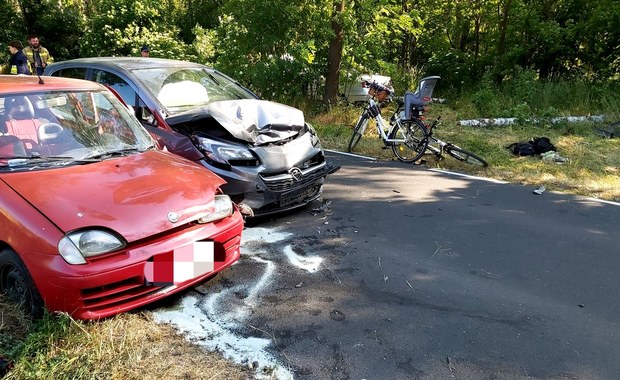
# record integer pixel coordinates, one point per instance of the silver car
(269, 155)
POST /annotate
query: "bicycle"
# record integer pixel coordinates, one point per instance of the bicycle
(392, 134)
(408, 135)
(437, 147)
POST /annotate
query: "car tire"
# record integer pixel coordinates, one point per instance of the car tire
(17, 285)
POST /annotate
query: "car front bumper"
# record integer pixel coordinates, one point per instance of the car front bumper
(116, 283)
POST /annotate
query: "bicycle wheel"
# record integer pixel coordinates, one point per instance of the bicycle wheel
(414, 146)
(465, 156)
(358, 131)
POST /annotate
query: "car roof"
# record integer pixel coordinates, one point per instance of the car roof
(27, 84)
(126, 63)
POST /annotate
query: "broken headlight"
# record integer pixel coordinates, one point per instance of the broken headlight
(222, 208)
(224, 153)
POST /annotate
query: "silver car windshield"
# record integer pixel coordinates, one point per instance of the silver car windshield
(67, 124)
(185, 88)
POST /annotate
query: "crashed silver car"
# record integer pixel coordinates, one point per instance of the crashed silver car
(270, 157)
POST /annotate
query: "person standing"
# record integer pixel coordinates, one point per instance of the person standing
(145, 51)
(37, 55)
(18, 62)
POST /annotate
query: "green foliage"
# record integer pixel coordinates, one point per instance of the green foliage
(121, 27)
(280, 47)
(521, 111)
(204, 44)
(33, 351)
(12, 22)
(262, 45)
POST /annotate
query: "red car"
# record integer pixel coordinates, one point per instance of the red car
(93, 219)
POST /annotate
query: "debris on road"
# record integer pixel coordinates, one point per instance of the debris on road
(540, 190)
(449, 363)
(410, 285)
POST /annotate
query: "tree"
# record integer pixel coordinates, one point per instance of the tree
(334, 56)
(120, 27)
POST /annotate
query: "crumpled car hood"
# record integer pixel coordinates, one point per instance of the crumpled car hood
(131, 195)
(256, 121)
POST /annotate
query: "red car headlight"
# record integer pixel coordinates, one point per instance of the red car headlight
(223, 208)
(76, 246)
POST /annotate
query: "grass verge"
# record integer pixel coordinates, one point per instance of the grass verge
(128, 346)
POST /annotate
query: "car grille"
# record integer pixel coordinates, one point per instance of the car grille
(117, 293)
(301, 178)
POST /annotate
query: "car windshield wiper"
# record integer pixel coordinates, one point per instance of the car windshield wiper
(37, 159)
(113, 153)
(211, 77)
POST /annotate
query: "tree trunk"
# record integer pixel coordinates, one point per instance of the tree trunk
(334, 56)
(501, 44)
(29, 12)
(405, 44)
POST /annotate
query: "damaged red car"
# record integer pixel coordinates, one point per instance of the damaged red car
(94, 220)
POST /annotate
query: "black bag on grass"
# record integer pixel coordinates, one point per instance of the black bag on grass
(522, 149)
(542, 145)
(534, 146)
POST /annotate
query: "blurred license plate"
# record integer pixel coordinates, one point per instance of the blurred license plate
(182, 264)
(298, 195)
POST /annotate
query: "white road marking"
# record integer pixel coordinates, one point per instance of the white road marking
(351, 154)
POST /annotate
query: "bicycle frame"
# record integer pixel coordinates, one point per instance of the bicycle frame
(383, 129)
(429, 135)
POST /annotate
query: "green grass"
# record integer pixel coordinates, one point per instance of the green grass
(593, 168)
(128, 346)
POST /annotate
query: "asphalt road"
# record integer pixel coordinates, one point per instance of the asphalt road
(400, 272)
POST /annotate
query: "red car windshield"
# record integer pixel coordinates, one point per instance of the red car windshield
(76, 124)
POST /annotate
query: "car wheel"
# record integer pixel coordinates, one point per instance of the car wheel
(17, 285)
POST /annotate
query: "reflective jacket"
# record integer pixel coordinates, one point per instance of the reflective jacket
(46, 58)
(18, 63)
